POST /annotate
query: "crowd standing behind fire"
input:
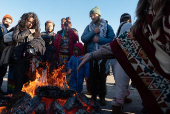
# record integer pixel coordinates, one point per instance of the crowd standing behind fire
(24, 42)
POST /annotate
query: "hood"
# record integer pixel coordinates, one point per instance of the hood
(80, 46)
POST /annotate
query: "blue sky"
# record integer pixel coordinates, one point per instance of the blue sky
(77, 10)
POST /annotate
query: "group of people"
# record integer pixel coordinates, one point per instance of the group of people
(140, 52)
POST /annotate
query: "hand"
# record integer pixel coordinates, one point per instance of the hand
(96, 30)
(96, 39)
(86, 58)
(69, 71)
(32, 31)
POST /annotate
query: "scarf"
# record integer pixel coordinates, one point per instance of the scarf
(103, 30)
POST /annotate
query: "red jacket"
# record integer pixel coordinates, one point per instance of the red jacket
(72, 40)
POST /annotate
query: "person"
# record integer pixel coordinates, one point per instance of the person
(5, 59)
(144, 55)
(76, 78)
(97, 33)
(6, 22)
(49, 38)
(120, 76)
(64, 42)
(26, 30)
(63, 20)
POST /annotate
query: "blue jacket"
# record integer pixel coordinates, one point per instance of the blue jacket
(87, 37)
(76, 79)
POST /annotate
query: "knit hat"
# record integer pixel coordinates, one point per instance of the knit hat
(95, 10)
(80, 46)
(7, 16)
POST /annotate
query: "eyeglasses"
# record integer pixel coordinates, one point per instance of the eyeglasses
(29, 22)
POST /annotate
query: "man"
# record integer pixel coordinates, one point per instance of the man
(6, 22)
(97, 33)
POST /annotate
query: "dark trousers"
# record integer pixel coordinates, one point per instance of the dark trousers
(3, 70)
(98, 78)
(19, 74)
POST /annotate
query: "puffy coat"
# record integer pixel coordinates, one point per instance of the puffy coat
(87, 37)
(77, 78)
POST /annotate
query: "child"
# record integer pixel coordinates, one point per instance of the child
(77, 78)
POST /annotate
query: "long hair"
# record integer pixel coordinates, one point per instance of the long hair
(23, 23)
(142, 10)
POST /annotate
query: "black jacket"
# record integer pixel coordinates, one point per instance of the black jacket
(21, 38)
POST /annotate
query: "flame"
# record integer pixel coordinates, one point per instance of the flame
(3, 110)
(44, 78)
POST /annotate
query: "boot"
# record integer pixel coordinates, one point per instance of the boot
(102, 102)
(128, 100)
(117, 110)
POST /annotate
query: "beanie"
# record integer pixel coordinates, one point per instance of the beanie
(7, 16)
(95, 10)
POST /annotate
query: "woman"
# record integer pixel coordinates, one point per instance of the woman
(26, 30)
(145, 57)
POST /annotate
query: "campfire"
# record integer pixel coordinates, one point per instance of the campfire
(48, 94)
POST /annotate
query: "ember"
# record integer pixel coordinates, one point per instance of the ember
(49, 94)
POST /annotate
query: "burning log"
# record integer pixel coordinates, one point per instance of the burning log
(48, 91)
(80, 111)
(17, 100)
(28, 107)
(73, 102)
(40, 109)
(57, 108)
(54, 92)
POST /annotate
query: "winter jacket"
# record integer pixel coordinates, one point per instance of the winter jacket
(87, 37)
(73, 38)
(20, 38)
(3, 31)
(48, 37)
(77, 78)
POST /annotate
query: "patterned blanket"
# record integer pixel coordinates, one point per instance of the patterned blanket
(152, 86)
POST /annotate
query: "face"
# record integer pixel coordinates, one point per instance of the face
(76, 51)
(31, 22)
(95, 17)
(7, 22)
(66, 28)
(49, 27)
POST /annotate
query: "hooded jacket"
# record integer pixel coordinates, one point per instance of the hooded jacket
(77, 78)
